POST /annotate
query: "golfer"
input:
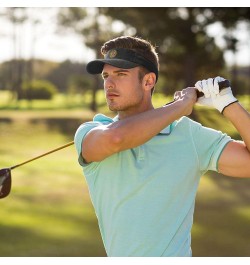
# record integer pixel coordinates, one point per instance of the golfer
(143, 167)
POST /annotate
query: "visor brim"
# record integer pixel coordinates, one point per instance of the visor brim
(96, 66)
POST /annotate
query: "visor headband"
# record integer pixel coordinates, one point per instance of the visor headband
(131, 56)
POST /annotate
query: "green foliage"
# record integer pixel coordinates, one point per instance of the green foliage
(38, 89)
(61, 75)
(73, 100)
(42, 68)
(186, 52)
(181, 39)
(79, 84)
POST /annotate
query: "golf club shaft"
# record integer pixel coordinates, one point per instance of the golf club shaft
(34, 158)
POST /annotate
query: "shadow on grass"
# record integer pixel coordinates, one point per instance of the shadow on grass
(222, 218)
(5, 120)
(54, 231)
(21, 242)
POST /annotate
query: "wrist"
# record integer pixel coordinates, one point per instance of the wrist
(224, 99)
(183, 107)
(228, 102)
(230, 110)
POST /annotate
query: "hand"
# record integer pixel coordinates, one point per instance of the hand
(187, 97)
(213, 97)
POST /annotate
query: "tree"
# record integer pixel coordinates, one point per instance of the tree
(38, 89)
(17, 16)
(61, 74)
(180, 35)
(186, 51)
(94, 30)
(230, 17)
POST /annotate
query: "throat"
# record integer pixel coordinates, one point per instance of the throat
(122, 114)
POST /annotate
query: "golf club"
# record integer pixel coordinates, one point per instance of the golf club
(5, 173)
(223, 84)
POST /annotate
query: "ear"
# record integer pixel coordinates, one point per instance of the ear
(149, 81)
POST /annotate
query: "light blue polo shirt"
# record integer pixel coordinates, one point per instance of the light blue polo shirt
(144, 197)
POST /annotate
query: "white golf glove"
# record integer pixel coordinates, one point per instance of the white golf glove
(213, 97)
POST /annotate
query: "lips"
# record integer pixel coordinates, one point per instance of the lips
(112, 95)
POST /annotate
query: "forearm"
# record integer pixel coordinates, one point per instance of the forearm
(138, 129)
(235, 159)
(240, 118)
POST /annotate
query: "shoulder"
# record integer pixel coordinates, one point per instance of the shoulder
(83, 129)
(185, 123)
(196, 130)
(98, 120)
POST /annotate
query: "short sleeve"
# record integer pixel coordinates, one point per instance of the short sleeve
(79, 136)
(98, 120)
(209, 145)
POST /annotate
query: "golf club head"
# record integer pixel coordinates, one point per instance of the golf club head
(5, 182)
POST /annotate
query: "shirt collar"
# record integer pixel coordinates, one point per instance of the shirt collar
(165, 131)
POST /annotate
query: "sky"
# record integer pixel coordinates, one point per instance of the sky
(42, 41)
(52, 45)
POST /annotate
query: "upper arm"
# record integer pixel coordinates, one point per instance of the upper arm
(98, 144)
(235, 160)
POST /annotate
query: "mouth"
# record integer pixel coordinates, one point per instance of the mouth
(111, 95)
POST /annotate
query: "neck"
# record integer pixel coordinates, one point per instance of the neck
(134, 111)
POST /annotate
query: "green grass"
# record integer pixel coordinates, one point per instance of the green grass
(49, 211)
(222, 217)
(59, 102)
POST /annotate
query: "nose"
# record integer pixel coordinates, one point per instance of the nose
(109, 83)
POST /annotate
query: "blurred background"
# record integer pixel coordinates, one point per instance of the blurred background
(45, 94)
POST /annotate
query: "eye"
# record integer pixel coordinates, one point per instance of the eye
(104, 76)
(121, 74)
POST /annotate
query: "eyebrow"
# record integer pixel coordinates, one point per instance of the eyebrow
(117, 71)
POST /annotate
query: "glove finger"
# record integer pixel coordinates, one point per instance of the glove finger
(205, 89)
(219, 79)
(198, 85)
(212, 90)
(216, 84)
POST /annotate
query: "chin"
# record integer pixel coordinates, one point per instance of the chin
(113, 108)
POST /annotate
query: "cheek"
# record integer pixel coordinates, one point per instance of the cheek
(134, 95)
(138, 90)
(128, 90)
(133, 87)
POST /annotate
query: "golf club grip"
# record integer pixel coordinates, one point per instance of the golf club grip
(223, 84)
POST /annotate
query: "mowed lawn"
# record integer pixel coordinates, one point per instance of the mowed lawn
(222, 216)
(49, 211)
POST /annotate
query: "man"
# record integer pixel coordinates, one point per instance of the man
(143, 167)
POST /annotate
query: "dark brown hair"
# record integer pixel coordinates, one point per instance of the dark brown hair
(143, 47)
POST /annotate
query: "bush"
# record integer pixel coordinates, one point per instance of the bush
(38, 89)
